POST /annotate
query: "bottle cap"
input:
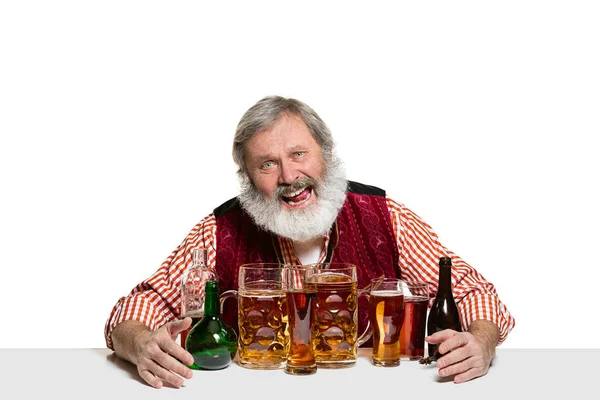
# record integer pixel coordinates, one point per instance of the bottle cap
(445, 262)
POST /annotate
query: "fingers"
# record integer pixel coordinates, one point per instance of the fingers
(454, 369)
(440, 336)
(453, 342)
(165, 373)
(454, 357)
(159, 365)
(177, 351)
(167, 342)
(176, 327)
(464, 370)
(155, 375)
(468, 375)
(167, 360)
(150, 378)
(159, 355)
(454, 350)
(463, 358)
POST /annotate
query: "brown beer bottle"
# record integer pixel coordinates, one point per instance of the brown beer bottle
(443, 313)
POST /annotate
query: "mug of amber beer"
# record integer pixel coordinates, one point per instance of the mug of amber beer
(301, 299)
(335, 331)
(412, 335)
(262, 315)
(386, 314)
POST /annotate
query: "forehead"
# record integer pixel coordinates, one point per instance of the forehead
(288, 133)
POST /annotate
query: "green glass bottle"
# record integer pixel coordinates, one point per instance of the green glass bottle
(192, 288)
(211, 341)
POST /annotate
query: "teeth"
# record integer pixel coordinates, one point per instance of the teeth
(296, 193)
(293, 203)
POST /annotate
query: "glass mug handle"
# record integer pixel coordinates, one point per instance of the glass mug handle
(366, 335)
(226, 295)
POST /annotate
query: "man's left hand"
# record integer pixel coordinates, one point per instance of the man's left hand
(466, 355)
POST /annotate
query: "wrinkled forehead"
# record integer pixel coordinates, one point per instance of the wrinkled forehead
(287, 135)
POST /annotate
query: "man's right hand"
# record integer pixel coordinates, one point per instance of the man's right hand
(156, 354)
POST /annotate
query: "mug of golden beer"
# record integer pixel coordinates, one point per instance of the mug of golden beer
(335, 331)
(262, 316)
(386, 315)
(301, 299)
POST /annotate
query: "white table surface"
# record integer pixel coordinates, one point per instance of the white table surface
(99, 374)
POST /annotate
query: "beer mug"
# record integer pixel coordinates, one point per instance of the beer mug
(301, 299)
(412, 335)
(262, 316)
(335, 331)
(386, 314)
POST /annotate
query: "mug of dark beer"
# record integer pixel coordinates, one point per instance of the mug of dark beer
(412, 335)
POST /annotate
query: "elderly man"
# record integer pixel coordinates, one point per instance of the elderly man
(296, 207)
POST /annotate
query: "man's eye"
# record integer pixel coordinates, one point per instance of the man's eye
(299, 154)
(266, 165)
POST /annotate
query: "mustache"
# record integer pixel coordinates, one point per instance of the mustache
(301, 183)
(301, 225)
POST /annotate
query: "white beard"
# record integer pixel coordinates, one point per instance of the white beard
(299, 225)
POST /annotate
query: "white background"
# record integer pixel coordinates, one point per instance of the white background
(116, 122)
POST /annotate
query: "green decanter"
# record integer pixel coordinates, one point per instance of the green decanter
(211, 341)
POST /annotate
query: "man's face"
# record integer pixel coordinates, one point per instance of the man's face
(290, 189)
(286, 154)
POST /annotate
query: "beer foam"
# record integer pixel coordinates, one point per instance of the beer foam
(330, 277)
(264, 294)
(415, 299)
(386, 293)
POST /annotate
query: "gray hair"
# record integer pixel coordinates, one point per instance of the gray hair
(265, 113)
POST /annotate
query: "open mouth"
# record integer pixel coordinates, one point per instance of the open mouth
(298, 197)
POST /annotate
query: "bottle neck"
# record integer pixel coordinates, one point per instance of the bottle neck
(211, 299)
(445, 281)
(200, 261)
(200, 257)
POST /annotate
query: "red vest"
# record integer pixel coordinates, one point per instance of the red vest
(364, 237)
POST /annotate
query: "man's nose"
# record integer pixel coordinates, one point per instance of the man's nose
(288, 173)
